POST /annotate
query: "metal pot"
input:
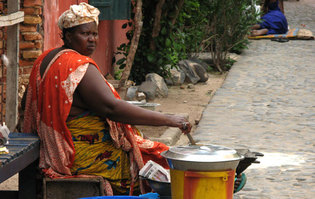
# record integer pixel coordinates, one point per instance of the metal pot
(162, 188)
(202, 158)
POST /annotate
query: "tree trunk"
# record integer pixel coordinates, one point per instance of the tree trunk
(157, 23)
(179, 6)
(134, 44)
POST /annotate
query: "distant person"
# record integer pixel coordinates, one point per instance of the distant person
(265, 6)
(273, 21)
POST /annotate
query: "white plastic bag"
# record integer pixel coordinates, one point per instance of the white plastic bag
(4, 134)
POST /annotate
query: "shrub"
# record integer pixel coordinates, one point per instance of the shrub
(216, 26)
(225, 28)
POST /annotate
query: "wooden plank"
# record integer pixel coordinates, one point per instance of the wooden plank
(12, 69)
(12, 19)
(20, 159)
(13, 6)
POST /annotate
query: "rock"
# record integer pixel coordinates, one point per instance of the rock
(187, 67)
(153, 86)
(149, 88)
(132, 93)
(190, 86)
(199, 69)
(177, 77)
(169, 81)
(204, 64)
(141, 96)
(160, 83)
(201, 72)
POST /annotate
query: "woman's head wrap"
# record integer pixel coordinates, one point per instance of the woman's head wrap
(77, 15)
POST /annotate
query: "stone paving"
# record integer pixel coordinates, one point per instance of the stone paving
(267, 104)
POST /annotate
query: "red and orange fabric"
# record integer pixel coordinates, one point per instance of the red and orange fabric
(48, 103)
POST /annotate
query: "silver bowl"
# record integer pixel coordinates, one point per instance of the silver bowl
(162, 188)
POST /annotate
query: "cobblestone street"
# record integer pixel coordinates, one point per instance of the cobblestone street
(267, 104)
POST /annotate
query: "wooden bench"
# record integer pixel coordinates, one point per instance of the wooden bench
(22, 158)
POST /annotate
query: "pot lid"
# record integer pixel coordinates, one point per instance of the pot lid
(204, 153)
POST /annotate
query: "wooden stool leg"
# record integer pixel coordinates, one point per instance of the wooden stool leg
(27, 182)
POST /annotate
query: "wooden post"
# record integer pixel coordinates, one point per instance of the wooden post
(12, 69)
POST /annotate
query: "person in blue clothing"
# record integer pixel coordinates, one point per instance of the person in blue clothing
(273, 22)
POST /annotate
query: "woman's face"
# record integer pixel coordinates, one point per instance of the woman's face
(83, 39)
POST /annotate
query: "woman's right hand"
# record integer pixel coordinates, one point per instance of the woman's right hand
(182, 123)
(185, 127)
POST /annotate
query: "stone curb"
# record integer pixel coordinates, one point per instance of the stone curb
(170, 136)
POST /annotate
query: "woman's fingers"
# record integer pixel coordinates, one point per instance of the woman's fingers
(185, 127)
(182, 123)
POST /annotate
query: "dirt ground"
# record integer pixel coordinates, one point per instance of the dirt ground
(186, 99)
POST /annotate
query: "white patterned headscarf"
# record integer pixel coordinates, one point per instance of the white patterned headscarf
(77, 15)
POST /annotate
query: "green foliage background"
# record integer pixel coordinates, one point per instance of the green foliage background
(216, 26)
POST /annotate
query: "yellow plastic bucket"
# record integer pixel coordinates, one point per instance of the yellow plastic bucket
(202, 184)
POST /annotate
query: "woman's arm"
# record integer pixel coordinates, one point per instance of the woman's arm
(98, 97)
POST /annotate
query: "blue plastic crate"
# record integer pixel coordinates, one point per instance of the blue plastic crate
(144, 196)
(115, 197)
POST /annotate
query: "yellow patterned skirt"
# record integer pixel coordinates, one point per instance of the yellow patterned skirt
(95, 153)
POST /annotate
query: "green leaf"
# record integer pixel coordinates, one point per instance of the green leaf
(168, 42)
(150, 57)
(122, 66)
(121, 61)
(124, 26)
(160, 61)
(163, 31)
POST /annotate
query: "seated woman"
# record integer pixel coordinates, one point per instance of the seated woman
(84, 127)
(273, 22)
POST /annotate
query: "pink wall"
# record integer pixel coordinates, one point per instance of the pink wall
(52, 10)
(104, 51)
(111, 35)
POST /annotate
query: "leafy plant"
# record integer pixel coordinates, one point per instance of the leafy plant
(176, 29)
(229, 24)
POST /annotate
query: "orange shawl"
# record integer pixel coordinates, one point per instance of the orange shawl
(48, 103)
